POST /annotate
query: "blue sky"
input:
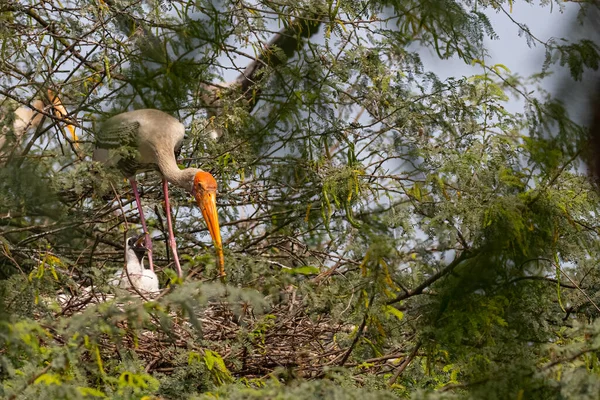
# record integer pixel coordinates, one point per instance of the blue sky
(511, 50)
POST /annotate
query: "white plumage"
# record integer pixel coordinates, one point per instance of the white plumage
(144, 280)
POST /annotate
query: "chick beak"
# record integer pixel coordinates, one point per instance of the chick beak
(207, 201)
(140, 241)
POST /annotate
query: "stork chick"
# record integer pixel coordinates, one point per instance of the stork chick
(144, 280)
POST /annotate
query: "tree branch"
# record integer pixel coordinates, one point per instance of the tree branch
(542, 278)
(433, 278)
(358, 333)
(289, 40)
(404, 364)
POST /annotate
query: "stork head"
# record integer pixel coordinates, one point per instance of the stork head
(135, 247)
(205, 192)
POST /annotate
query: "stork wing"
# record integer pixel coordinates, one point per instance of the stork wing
(116, 135)
(116, 144)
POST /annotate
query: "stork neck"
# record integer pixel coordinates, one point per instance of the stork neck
(184, 178)
(133, 265)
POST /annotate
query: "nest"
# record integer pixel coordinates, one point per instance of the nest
(251, 345)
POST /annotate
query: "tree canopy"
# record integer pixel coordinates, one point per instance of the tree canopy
(387, 233)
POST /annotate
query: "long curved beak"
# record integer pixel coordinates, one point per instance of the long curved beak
(207, 201)
(61, 112)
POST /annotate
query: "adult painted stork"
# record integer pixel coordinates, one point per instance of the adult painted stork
(135, 274)
(26, 118)
(155, 137)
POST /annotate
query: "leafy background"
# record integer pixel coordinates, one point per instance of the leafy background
(387, 233)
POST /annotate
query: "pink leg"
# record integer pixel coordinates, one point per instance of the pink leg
(143, 221)
(171, 239)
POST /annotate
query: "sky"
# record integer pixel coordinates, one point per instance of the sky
(510, 49)
(513, 51)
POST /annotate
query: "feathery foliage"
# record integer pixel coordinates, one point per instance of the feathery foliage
(387, 233)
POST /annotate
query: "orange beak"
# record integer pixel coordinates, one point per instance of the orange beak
(207, 201)
(61, 112)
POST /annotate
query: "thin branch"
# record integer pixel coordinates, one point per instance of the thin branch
(542, 278)
(30, 381)
(358, 333)
(569, 278)
(433, 278)
(404, 364)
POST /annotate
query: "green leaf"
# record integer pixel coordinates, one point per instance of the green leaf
(391, 310)
(90, 392)
(304, 270)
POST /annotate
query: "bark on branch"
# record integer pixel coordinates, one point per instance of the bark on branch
(289, 40)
